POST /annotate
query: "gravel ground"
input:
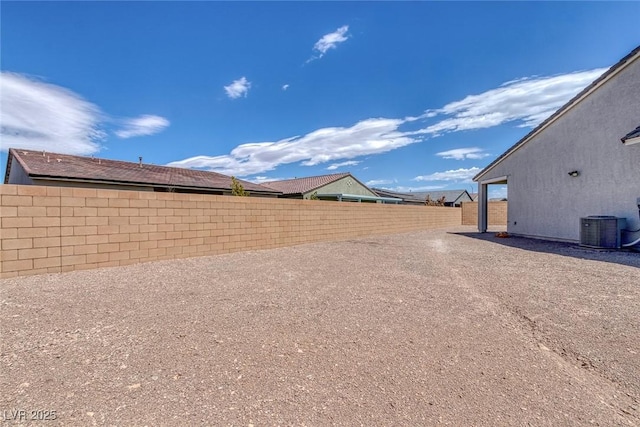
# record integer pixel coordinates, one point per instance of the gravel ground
(411, 329)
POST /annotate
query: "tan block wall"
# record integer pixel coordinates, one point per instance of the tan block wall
(496, 211)
(53, 229)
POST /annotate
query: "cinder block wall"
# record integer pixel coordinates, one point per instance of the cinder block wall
(51, 229)
(496, 211)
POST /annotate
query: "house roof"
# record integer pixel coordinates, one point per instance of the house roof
(449, 195)
(421, 196)
(407, 197)
(46, 165)
(633, 55)
(304, 185)
(631, 135)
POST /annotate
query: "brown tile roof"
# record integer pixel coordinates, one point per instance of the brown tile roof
(79, 168)
(304, 185)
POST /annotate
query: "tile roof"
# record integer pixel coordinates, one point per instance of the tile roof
(65, 166)
(560, 111)
(633, 134)
(407, 197)
(304, 185)
(450, 196)
(421, 196)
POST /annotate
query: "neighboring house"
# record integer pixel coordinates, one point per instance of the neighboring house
(474, 197)
(407, 198)
(343, 187)
(44, 168)
(451, 197)
(583, 160)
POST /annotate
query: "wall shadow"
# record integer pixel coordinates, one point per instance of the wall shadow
(629, 257)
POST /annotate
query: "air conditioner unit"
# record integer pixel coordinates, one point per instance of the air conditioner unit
(601, 231)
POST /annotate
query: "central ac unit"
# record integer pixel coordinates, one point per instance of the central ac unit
(601, 231)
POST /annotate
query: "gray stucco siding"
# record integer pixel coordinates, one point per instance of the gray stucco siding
(17, 174)
(544, 201)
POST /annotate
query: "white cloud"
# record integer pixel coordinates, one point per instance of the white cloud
(261, 179)
(339, 165)
(41, 116)
(524, 101)
(285, 87)
(330, 41)
(458, 175)
(143, 125)
(527, 101)
(497, 193)
(405, 189)
(378, 182)
(238, 88)
(370, 136)
(463, 153)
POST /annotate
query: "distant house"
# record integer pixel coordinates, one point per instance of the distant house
(343, 187)
(407, 198)
(584, 160)
(29, 167)
(452, 198)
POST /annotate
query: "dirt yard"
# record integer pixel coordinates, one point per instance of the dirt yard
(413, 329)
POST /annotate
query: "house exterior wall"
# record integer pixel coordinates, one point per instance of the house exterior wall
(342, 186)
(53, 229)
(17, 174)
(544, 201)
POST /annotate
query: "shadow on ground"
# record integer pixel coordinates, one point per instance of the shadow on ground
(630, 257)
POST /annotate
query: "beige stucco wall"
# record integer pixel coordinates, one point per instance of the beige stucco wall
(53, 229)
(342, 186)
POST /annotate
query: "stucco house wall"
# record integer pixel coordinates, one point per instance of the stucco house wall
(346, 185)
(17, 174)
(544, 201)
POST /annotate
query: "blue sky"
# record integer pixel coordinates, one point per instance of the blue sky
(408, 96)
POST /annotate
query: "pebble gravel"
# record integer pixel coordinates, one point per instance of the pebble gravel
(444, 327)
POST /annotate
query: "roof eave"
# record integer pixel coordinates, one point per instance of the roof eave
(632, 141)
(605, 77)
(140, 184)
